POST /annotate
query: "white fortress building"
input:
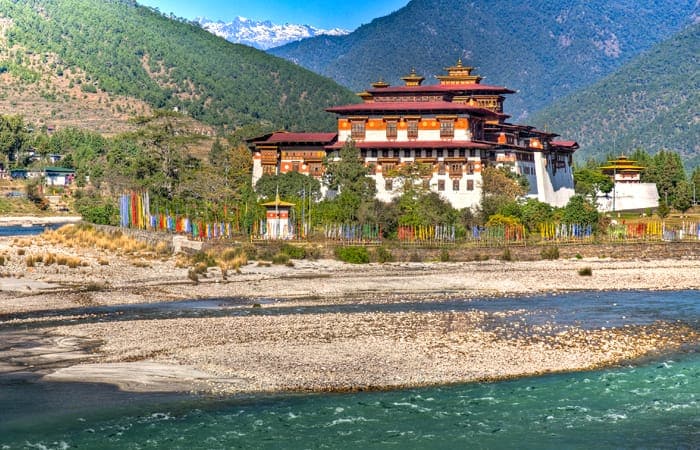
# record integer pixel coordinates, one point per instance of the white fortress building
(455, 128)
(628, 192)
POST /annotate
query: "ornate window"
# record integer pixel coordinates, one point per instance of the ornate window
(455, 184)
(470, 185)
(412, 129)
(388, 184)
(441, 185)
(391, 129)
(357, 129)
(447, 129)
(456, 169)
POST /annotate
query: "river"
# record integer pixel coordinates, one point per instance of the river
(652, 404)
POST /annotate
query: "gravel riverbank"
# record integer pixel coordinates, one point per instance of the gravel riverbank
(52, 314)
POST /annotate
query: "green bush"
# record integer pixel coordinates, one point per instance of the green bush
(96, 209)
(280, 258)
(384, 255)
(444, 255)
(203, 258)
(353, 255)
(550, 253)
(415, 257)
(313, 252)
(293, 251)
(585, 272)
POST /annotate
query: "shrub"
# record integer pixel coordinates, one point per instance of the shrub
(200, 268)
(280, 258)
(550, 253)
(415, 257)
(313, 252)
(578, 256)
(585, 272)
(444, 255)
(29, 260)
(384, 255)
(232, 259)
(192, 275)
(20, 252)
(293, 251)
(2, 260)
(95, 286)
(203, 258)
(352, 254)
(506, 256)
(250, 251)
(49, 258)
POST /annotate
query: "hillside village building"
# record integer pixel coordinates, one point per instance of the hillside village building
(456, 127)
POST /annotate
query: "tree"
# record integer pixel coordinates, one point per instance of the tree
(666, 171)
(13, 137)
(695, 183)
(588, 182)
(166, 147)
(535, 212)
(291, 186)
(348, 175)
(682, 196)
(499, 186)
(580, 211)
(428, 208)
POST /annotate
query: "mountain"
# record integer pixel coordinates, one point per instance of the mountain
(263, 34)
(545, 49)
(124, 58)
(652, 102)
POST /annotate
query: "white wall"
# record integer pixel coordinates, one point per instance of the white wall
(629, 196)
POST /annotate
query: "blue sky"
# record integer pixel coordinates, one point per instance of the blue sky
(348, 14)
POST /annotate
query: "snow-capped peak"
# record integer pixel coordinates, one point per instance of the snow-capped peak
(263, 34)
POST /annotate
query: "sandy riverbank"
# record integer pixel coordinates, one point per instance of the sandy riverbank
(49, 311)
(37, 220)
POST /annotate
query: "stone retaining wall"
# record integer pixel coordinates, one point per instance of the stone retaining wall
(624, 250)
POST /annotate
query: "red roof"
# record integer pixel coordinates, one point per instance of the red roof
(570, 144)
(286, 137)
(408, 107)
(441, 88)
(413, 144)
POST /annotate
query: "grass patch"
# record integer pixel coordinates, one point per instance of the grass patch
(506, 255)
(280, 258)
(294, 252)
(444, 255)
(95, 286)
(352, 254)
(384, 255)
(585, 271)
(550, 253)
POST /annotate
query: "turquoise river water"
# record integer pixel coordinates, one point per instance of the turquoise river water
(654, 404)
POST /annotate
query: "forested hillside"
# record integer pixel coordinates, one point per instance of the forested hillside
(544, 48)
(126, 50)
(653, 102)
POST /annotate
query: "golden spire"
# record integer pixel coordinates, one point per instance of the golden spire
(413, 79)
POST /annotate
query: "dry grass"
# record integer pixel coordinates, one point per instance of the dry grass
(232, 259)
(85, 236)
(140, 263)
(31, 260)
(22, 243)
